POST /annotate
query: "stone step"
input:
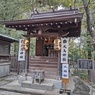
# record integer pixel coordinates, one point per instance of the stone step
(43, 65)
(42, 62)
(52, 76)
(53, 60)
(48, 64)
(45, 68)
(49, 74)
(16, 87)
(42, 86)
(34, 59)
(44, 58)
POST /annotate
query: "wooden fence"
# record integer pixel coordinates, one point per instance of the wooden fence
(16, 66)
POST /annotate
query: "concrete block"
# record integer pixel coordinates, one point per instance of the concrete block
(21, 79)
(4, 69)
(42, 86)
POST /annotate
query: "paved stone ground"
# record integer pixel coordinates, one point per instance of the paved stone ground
(10, 93)
(6, 80)
(14, 93)
(9, 79)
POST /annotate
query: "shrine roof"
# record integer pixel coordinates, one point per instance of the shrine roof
(64, 20)
(60, 15)
(7, 38)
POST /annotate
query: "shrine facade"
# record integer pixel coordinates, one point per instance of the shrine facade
(46, 27)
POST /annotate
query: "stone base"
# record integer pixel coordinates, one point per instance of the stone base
(42, 86)
(80, 94)
(4, 69)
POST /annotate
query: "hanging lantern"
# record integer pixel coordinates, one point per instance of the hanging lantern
(25, 44)
(57, 44)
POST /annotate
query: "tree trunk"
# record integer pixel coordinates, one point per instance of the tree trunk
(89, 29)
(87, 17)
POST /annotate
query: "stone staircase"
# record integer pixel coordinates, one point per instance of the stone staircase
(48, 64)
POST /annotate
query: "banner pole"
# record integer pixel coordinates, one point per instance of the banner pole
(26, 66)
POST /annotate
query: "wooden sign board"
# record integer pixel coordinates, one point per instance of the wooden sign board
(85, 64)
(65, 80)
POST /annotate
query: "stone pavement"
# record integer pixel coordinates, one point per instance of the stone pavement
(92, 87)
(10, 86)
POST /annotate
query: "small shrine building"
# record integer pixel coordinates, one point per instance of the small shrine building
(46, 27)
(5, 56)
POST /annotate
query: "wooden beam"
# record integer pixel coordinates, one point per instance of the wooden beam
(27, 52)
(43, 35)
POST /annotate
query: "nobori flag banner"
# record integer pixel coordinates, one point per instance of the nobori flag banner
(21, 53)
(64, 50)
(65, 71)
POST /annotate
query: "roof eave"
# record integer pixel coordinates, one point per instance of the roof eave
(33, 21)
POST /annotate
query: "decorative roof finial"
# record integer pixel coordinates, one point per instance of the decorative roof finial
(52, 8)
(36, 11)
(70, 6)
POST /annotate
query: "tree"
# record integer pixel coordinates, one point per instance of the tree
(89, 27)
(20, 9)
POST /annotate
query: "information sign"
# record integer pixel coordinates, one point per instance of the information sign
(85, 64)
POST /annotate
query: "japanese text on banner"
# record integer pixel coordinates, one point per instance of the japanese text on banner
(21, 53)
(65, 71)
(64, 50)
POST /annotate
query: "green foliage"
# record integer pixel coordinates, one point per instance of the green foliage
(57, 3)
(22, 9)
(75, 73)
(14, 9)
(83, 74)
(32, 46)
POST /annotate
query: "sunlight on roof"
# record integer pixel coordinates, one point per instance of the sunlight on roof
(60, 7)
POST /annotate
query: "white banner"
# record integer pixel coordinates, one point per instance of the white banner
(21, 53)
(65, 71)
(64, 50)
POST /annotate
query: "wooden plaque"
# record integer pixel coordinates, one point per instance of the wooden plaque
(65, 80)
